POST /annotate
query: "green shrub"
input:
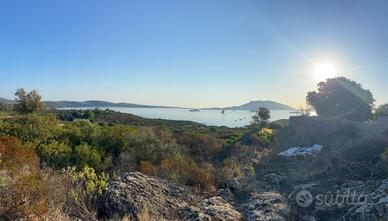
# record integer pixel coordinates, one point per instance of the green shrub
(115, 139)
(86, 155)
(86, 187)
(152, 145)
(55, 154)
(201, 147)
(31, 128)
(230, 168)
(79, 131)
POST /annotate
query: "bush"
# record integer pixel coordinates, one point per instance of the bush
(115, 139)
(263, 138)
(55, 154)
(24, 193)
(86, 155)
(182, 170)
(31, 128)
(79, 131)
(201, 147)
(86, 187)
(230, 169)
(147, 168)
(153, 145)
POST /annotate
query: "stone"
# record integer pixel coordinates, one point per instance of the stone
(135, 193)
(267, 206)
(375, 209)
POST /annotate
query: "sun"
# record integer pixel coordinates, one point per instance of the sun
(324, 71)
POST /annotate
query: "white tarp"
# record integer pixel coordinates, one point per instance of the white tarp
(301, 151)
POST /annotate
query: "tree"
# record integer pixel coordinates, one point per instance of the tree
(341, 98)
(382, 110)
(27, 103)
(261, 118)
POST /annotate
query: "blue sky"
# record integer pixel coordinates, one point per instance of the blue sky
(190, 53)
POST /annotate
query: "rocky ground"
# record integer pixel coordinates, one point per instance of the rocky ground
(133, 194)
(340, 183)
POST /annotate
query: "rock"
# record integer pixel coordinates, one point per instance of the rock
(232, 184)
(267, 206)
(375, 208)
(134, 193)
(313, 207)
(226, 195)
(195, 214)
(274, 178)
(370, 201)
(220, 209)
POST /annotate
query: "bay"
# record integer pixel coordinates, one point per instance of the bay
(230, 118)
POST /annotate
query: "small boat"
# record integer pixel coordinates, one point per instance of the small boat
(194, 110)
(223, 111)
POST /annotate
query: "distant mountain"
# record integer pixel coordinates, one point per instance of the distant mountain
(95, 103)
(254, 105)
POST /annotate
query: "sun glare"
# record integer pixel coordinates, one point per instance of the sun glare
(324, 71)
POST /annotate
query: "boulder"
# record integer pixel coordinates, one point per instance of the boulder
(267, 206)
(134, 194)
(375, 208)
(220, 209)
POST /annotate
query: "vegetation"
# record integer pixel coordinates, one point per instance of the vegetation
(28, 103)
(85, 147)
(382, 110)
(261, 118)
(342, 98)
(76, 152)
(4, 107)
(25, 190)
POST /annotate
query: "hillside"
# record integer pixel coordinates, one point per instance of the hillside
(254, 105)
(4, 100)
(96, 103)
